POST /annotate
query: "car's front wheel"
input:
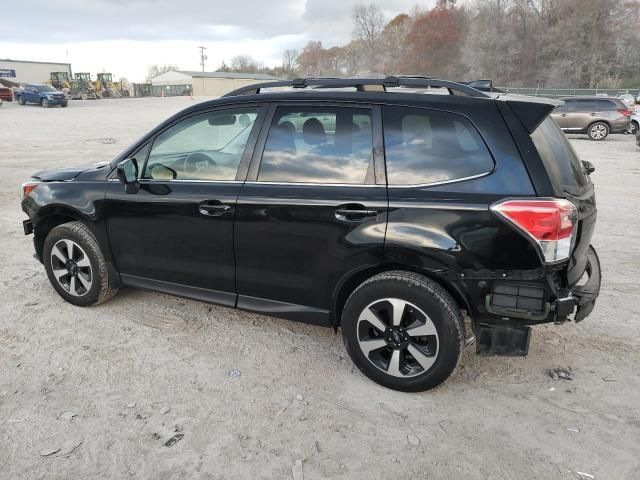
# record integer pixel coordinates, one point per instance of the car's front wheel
(598, 131)
(44, 102)
(76, 266)
(21, 101)
(403, 331)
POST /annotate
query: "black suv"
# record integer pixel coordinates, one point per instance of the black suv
(367, 204)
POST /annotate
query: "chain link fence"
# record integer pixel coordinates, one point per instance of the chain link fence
(569, 92)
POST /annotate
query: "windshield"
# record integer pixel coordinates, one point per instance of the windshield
(45, 88)
(560, 159)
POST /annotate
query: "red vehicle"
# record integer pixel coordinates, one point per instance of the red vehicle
(6, 94)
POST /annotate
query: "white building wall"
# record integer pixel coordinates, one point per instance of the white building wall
(216, 87)
(171, 78)
(32, 72)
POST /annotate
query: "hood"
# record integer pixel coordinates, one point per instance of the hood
(66, 173)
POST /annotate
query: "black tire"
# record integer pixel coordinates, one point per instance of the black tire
(104, 285)
(429, 297)
(21, 101)
(64, 105)
(633, 128)
(598, 131)
(44, 103)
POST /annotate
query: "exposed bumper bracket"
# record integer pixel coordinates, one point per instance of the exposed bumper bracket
(27, 226)
(586, 294)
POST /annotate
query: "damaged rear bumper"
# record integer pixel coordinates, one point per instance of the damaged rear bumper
(514, 300)
(537, 303)
(585, 295)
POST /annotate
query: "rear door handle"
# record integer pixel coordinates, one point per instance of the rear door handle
(354, 213)
(213, 208)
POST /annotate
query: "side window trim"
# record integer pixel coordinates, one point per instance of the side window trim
(378, 149)
(246, 155)
(256, 158)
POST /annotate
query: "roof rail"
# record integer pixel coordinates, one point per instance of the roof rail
(361, 84)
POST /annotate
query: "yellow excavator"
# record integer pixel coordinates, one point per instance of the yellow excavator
(107, 88)
(60, 81)
(82, 87)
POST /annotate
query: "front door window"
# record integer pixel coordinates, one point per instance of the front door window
(208, 146)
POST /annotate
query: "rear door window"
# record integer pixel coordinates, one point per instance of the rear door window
(560, 159)
(319, 145)
(427, 146)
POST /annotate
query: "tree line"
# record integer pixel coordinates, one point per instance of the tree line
(516, 43)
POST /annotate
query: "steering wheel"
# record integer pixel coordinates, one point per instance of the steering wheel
(198, 161)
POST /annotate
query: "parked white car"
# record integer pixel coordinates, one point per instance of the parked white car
(628, 100)
(634, 127)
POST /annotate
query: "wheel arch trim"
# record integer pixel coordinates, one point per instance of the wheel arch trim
(350, 281)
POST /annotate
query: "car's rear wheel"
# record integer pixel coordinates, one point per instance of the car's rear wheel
(76, 266)
(633, 128)
(598, 131)
(403, 331)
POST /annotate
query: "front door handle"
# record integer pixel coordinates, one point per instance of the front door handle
(354, 213)
(213, 209)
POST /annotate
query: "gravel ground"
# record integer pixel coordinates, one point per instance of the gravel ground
(97, 392)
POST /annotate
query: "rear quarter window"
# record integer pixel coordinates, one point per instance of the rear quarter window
(560, 159)
(608, 105)
(427, 146)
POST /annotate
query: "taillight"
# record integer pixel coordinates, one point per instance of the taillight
(27, 188)
(625, 111)
(549, 223)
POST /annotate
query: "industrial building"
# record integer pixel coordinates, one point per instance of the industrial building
(204, 84)
(24, 71)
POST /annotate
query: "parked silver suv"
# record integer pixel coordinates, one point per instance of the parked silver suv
(595, 116)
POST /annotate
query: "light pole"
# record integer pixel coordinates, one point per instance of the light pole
(203, 57)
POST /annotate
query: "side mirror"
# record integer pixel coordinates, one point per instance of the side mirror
(127, 171)
(588, 167)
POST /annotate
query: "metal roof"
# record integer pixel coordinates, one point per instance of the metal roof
(33, 61)
(235, 75)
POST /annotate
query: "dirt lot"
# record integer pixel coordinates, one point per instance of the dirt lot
(105, 388)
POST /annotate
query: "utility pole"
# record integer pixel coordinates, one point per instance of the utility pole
(203, 57)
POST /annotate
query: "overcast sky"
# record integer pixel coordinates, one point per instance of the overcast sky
(124, 37)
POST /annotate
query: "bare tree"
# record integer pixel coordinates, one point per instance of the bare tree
(290, 63)
(244, 63)
(368, 23)
(155, 70)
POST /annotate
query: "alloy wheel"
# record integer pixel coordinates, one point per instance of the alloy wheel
(71, 267)
(397, 337)
(598, 132)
